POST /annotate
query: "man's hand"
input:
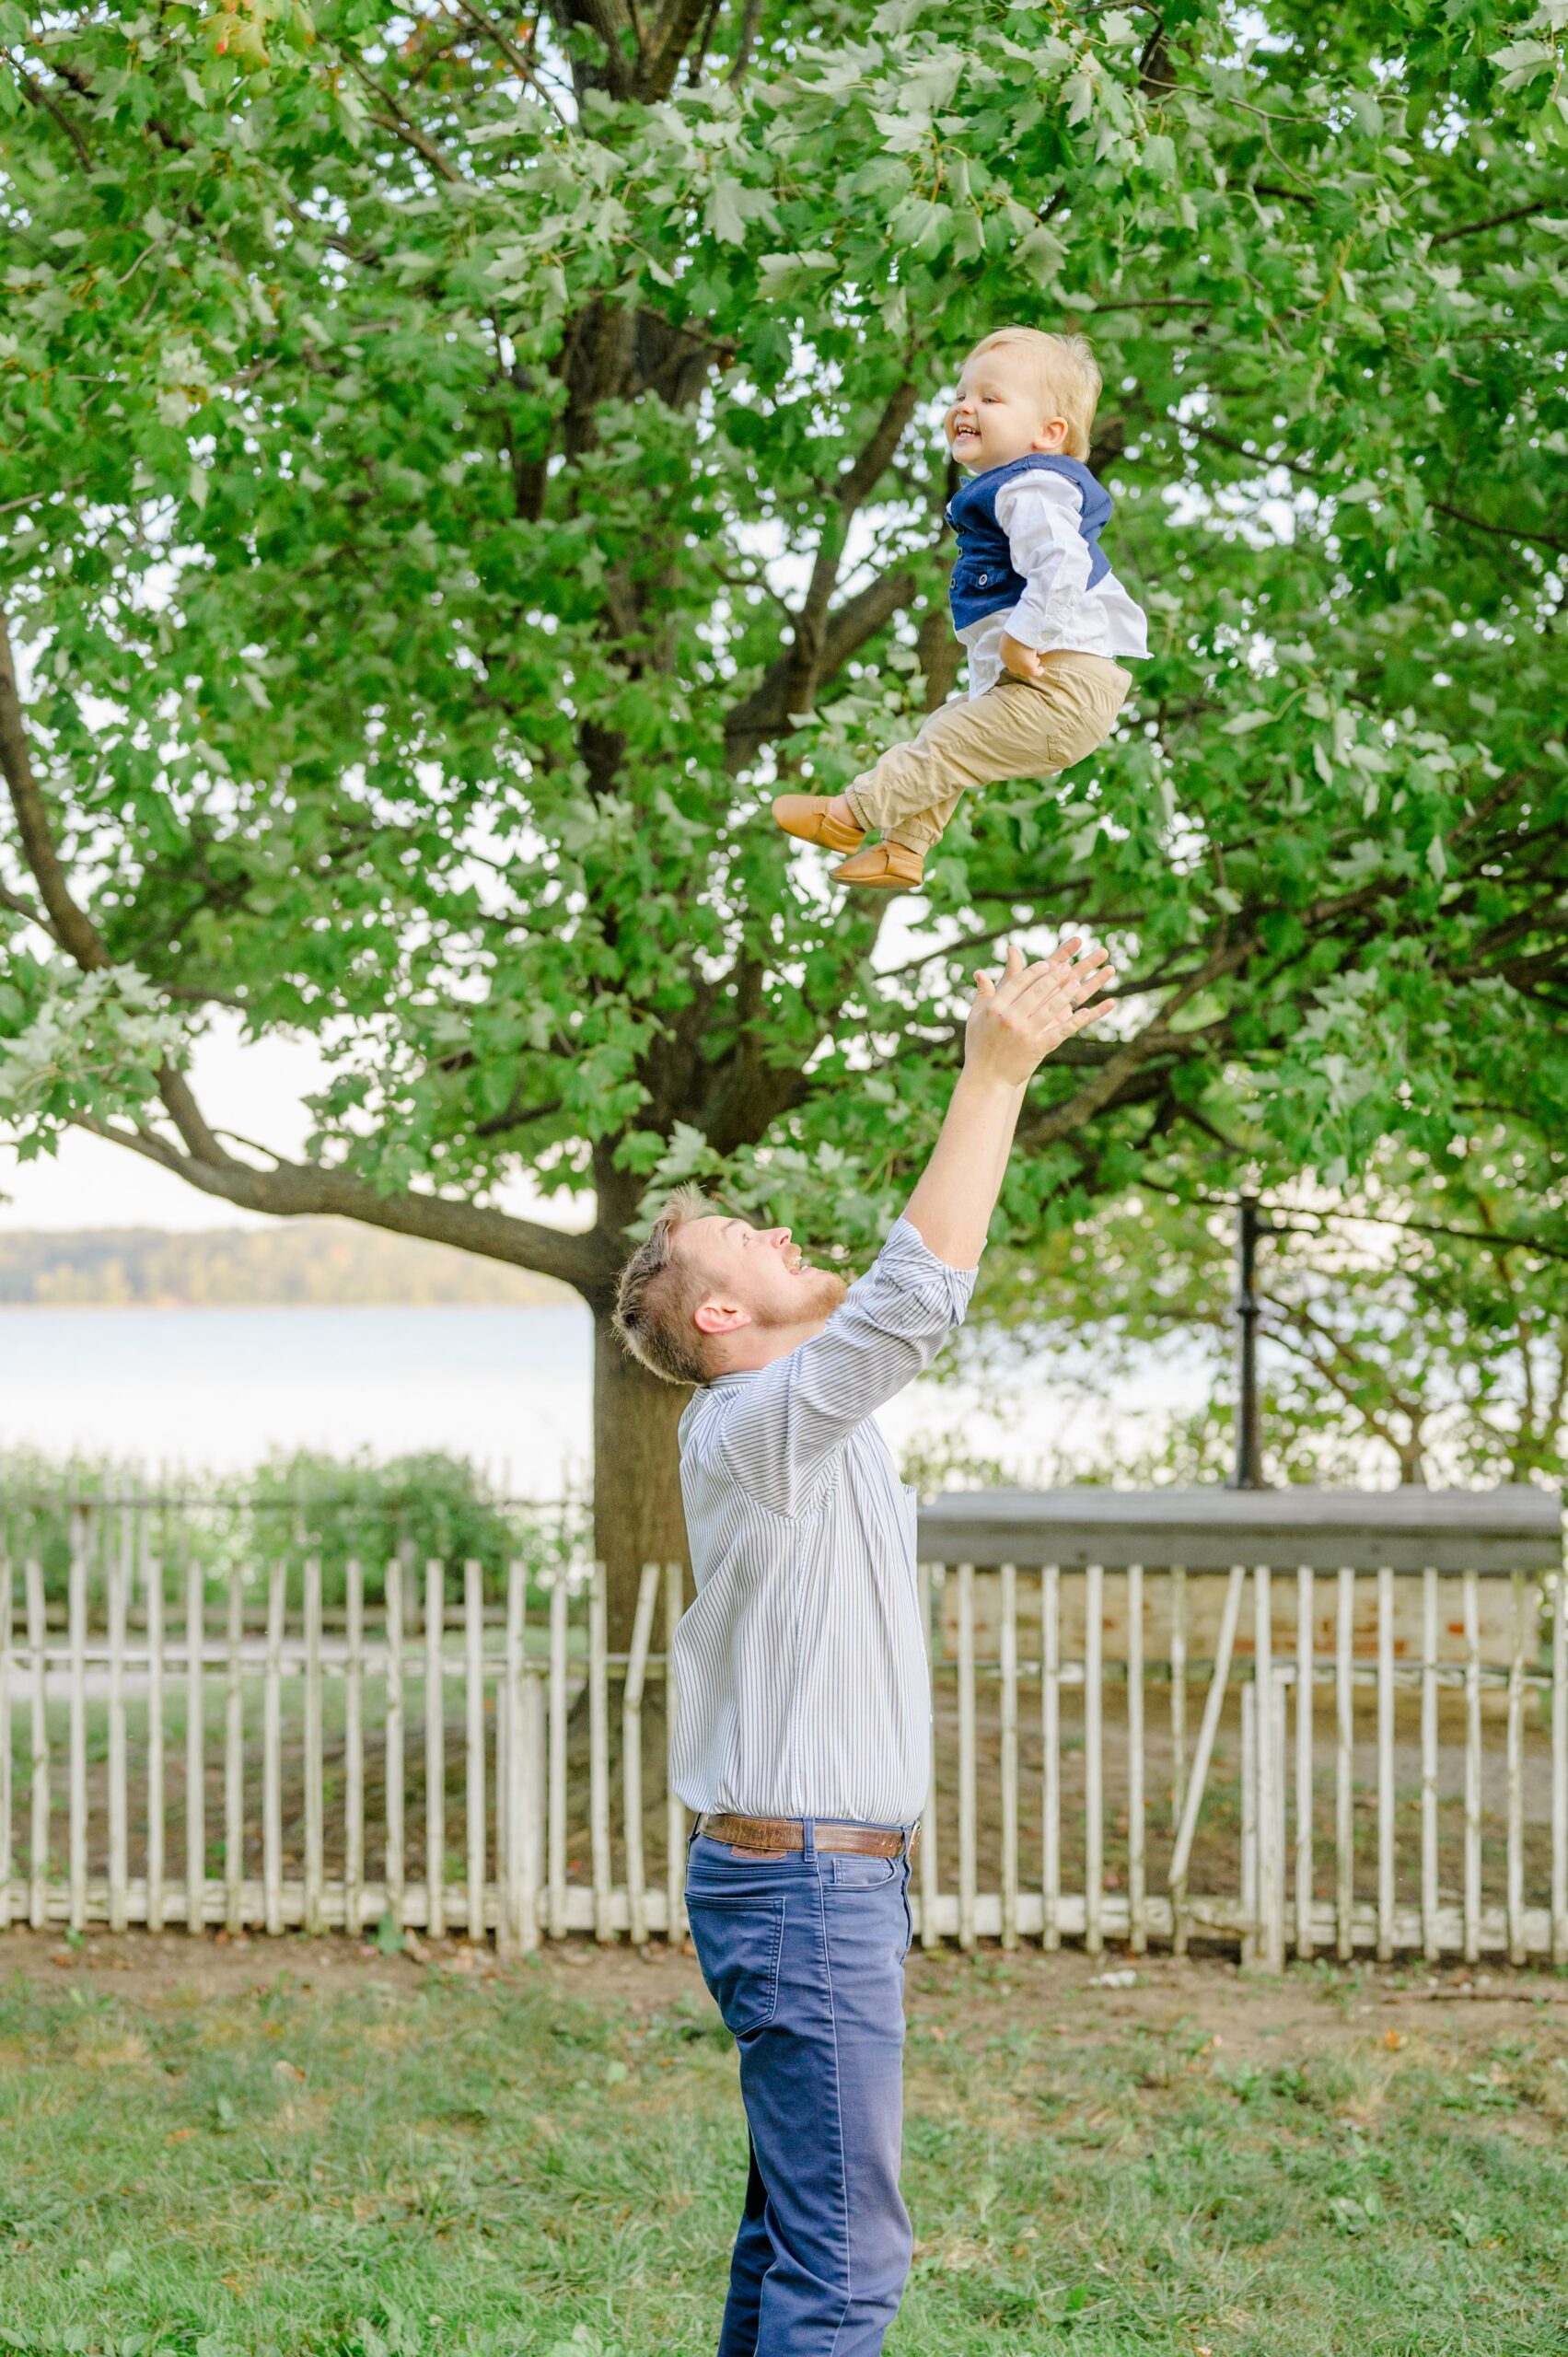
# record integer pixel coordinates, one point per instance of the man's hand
(1024, 662)
(1012, 1026)
(1015, 1021)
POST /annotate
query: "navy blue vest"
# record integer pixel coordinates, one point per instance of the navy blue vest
(984, 577)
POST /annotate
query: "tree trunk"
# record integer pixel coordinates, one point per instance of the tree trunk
(637, 1513)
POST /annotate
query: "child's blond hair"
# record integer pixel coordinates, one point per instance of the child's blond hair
(1066, 372)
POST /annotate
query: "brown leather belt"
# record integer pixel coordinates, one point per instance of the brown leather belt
(775, 1835)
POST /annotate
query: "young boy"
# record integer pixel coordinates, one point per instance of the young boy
(1033, 599)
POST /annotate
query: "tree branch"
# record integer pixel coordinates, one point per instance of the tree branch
(659, 65)
(294, 1189)
(1496, 220)
(72, 927)
(751, 26)
(1312, 474)
(1156, 1039)
(849, 493)
(515, 58)
(40, 97)
(398, 123)
(766, 710)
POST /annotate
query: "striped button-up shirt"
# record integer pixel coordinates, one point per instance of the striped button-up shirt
(801, 1667)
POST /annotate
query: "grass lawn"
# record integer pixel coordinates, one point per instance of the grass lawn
(305, 2147)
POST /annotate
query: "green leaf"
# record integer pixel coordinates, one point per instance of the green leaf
(389, 1936)
(1242, 724)
(723, 213)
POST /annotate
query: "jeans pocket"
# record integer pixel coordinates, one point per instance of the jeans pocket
(739, 1943)
(851, 1873)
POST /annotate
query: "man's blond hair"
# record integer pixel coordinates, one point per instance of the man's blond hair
(1066, 373)
(658, 1293)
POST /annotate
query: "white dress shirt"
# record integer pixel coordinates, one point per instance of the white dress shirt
(801, 1667)
(1058, 611)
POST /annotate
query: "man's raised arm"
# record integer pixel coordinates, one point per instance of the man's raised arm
(1013, 1026)
(781, 1430)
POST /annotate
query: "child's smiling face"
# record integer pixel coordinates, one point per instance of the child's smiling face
(1000, 413)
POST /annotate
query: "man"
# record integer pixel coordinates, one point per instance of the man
(803, 1737)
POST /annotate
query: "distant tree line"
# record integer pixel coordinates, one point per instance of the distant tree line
(317, 1261)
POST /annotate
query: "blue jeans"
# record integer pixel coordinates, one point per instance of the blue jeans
(803, 1955)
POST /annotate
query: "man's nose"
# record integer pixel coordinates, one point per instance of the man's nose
(778, 1237)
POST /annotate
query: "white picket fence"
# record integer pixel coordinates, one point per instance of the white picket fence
(1126, 1750)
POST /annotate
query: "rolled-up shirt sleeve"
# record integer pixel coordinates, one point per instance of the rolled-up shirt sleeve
(783, 1425)
(1040, 519)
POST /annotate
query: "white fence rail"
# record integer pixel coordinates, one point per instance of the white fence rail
(1331, 1759)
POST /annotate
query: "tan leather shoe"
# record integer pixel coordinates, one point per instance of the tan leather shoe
(883, 867)
(806, 815)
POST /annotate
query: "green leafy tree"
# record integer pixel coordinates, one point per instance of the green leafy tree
(1414, 1329)
(453, 464)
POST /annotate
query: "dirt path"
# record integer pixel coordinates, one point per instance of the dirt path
(1249, 2018)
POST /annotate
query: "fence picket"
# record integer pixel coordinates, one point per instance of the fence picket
(152, 1590)
(77, 1737)
(354, 1746)
(1386, 1794)
(195, 1747)
(435, 1750)
(1277, 1832)
(1268, 1862)
(508, 1762)
(1344, 1757)
(394, 1817)
(632, 1756)
(1472, 1769)
(1009, 1669)
(966, 1876)
(38, 1831)
(1250, 1826)
(1213, 1704)
(1094, 1759)
(272, 1750)
(1514, 1887)
(929, 1933)
(675, 1808)
(1050, 1760)
(1560, 1769)
(1306, 1681)
(558, 1633)
(1137, 1890)
(599, 1752)
(234, 1763)
(474, 1776)
(314, 1763)
(1431, 1948)
(6, 1583)
(1178, 1694)
(116, 1570)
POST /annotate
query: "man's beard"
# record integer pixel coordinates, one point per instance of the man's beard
(818, 1294)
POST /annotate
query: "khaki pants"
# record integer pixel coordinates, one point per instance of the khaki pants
(1018, 728)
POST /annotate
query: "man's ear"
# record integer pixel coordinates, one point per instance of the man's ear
(720, 1318)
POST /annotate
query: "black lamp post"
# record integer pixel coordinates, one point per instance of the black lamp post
(1250, 1224)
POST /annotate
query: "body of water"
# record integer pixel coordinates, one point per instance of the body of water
(226, 1388)
(512, 1389)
